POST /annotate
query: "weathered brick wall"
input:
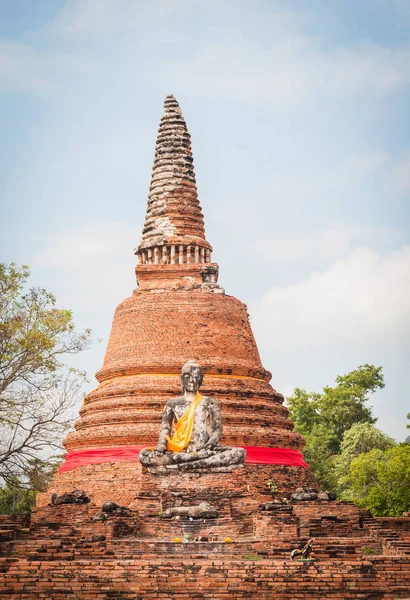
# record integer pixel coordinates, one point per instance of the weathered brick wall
(22, 520)
(146, 579)
(401, 524)
(67, 555)
(276, 526)
(158, 332)
(122, 482)
(393, 533)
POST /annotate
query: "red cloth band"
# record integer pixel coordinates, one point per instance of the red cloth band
(254, 455)
(274, 456)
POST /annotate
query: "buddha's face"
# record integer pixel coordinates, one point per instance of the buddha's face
(192, 379)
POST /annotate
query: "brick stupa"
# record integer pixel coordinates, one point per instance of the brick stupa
(240, 547)
(178, 312)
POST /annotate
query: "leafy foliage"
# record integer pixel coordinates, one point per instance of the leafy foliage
(359, 439)
(380, 480)
(324, 418)
(319, 452)
(363, 437)
(36, 390)
(18, 496)
(337, 408)
(16, 499)
(345, 404)
(345, 450)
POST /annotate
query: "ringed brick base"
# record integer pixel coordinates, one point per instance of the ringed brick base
(123, 482)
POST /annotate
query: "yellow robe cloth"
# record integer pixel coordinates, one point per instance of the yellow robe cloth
(183, 428)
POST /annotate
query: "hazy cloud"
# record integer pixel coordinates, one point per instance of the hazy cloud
(322, 247)
(400, 177)
(26, 67)
(97, 261)
(362, 299)
(269, 62)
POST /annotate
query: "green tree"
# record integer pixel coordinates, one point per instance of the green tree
(380, 480)
(304, 410)
(17, 495)
(37, 391)
(323, 418)
(344, 405)
(319, 453)
(339, 407)
(15, 498)
(361, 438)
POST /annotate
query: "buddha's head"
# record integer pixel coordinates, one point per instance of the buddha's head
(191, 377)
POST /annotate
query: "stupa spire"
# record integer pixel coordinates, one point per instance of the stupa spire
(174, 230)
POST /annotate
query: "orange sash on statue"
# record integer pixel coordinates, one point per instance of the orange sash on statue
(183, 428)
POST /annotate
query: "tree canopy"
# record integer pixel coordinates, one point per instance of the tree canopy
(323, 418)
(380, 480)
(360, 439)
(337, 408)
(37, 390)
(345, 450)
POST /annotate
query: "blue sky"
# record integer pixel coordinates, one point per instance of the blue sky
(300, 126)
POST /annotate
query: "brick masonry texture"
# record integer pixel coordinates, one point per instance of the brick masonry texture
(64, 554)
(174, 214)
(152, 336)
(180, 312)
(125, 481)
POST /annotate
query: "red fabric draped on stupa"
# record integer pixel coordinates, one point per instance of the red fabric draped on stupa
(254, 455)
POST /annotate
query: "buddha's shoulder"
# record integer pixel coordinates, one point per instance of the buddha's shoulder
(209, 401)
(176, 401)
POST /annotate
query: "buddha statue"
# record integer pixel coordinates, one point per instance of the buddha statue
(190, 432)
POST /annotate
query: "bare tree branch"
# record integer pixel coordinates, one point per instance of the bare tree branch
(37, 392)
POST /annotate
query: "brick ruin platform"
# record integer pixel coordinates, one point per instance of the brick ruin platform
(179, 312)
(62, 554)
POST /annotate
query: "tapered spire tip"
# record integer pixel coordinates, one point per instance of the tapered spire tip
(174, 217)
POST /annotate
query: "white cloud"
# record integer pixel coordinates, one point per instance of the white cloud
(90, 15)
(350, 180)
(261, 57)
(289, 71)
(368, 68)
(361, 300)
(91, 243)
(352, 171)
(400, 176)
(110, 17)
(22, 68)
(321, 248)
(93, 258)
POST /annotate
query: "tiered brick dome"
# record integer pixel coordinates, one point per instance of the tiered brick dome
(153, 335)
(178, 312)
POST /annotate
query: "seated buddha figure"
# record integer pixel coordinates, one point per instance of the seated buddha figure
(190, 432)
